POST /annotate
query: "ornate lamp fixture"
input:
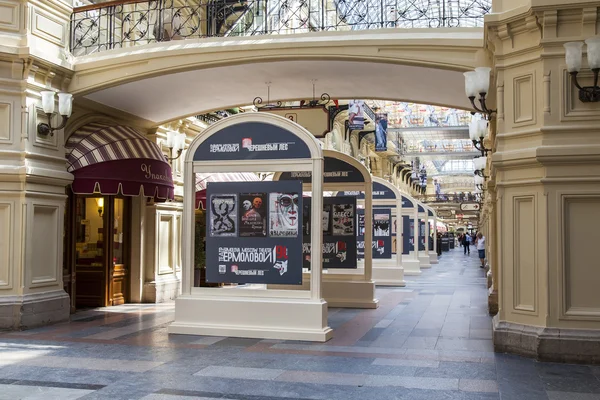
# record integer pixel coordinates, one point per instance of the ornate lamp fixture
(479, 164)
(478, 83)
(175, 143)
(479, 182)
(478, 131)
(574, 58)
(65, 107)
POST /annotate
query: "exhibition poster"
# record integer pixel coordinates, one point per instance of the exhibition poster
(253, 215)
(254, 232)
(382, 237)
(338, 225)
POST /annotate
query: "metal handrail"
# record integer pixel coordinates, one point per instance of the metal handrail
(125, 23)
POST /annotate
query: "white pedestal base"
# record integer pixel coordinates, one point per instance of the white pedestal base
(387, 273)
(424, 261)
(342, 288)
(433, 258)
(261, 318)
(411, 266)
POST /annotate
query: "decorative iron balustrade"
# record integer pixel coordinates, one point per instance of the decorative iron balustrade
(126, 23)
(449, 198)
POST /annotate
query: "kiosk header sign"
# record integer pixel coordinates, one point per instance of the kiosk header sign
(380, 192)
(253, 232)
(335, 171)
(406, 203)
(252, 140)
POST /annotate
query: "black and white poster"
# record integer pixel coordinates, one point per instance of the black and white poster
(253, 215)
(381, 224)
(253, 234)
(339, 246)
(382, 238)
(343, 219)
(223, 215)
(283, 214)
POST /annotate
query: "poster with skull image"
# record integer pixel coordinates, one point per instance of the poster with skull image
(253, 214)
(283, 214)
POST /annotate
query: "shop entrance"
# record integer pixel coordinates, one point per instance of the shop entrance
(98, 241)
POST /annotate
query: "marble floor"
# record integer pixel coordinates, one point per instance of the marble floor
(430, 340)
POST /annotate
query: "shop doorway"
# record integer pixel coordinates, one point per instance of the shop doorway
(97, 244)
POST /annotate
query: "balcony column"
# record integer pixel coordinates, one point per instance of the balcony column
(547, 176)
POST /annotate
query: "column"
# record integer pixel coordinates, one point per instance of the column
(547, 175)
(33, 172)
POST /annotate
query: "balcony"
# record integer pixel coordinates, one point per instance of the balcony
(126, 23)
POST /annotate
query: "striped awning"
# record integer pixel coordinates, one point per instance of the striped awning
(116, 159)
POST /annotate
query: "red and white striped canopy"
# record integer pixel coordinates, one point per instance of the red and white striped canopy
(113, 159)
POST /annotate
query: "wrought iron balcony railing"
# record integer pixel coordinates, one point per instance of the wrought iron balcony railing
(126, 23)
(448, 198)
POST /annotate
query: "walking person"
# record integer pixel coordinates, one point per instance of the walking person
(480, 242)
(466, 242)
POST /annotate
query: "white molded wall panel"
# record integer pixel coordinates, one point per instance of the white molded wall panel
(45, 245)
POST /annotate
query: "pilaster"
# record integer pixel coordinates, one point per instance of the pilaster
(546, 169)
(32, 168)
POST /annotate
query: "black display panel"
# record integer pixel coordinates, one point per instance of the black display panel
(408, 234)
(253, 232)
(338, 224)
(382, 233)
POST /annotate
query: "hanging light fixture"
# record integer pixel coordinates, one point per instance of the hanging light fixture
(478, 131)
(574, 59)
(65, 107)
(478, 83)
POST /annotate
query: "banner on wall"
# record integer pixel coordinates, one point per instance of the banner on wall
(356, 115)
(338, 225)
(382, 233)
(253, 233)
(381, 126)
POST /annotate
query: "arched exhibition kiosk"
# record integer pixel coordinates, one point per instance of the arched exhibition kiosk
(387, 244)
(432, 220)
(344, 285)
(424, 229)
(253, 234)
(410, 229)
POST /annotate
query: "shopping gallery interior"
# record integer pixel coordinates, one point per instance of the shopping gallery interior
(168, 168)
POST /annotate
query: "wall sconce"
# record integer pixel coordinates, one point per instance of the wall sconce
(479, 182)
(478, 131)
(479, 164)
(65, 107)
(574, 58)
(100, 203)
(175, 143)
(478, 82)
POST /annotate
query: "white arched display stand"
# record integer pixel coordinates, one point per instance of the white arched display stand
(347, 288)
(252, 142)
(433, 256)
(423, 256)
(388, 272)
(410, 260)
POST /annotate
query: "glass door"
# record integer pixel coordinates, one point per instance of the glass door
(100, 235)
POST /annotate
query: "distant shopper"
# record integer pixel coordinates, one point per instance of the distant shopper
(466, 242)
(480, 242)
